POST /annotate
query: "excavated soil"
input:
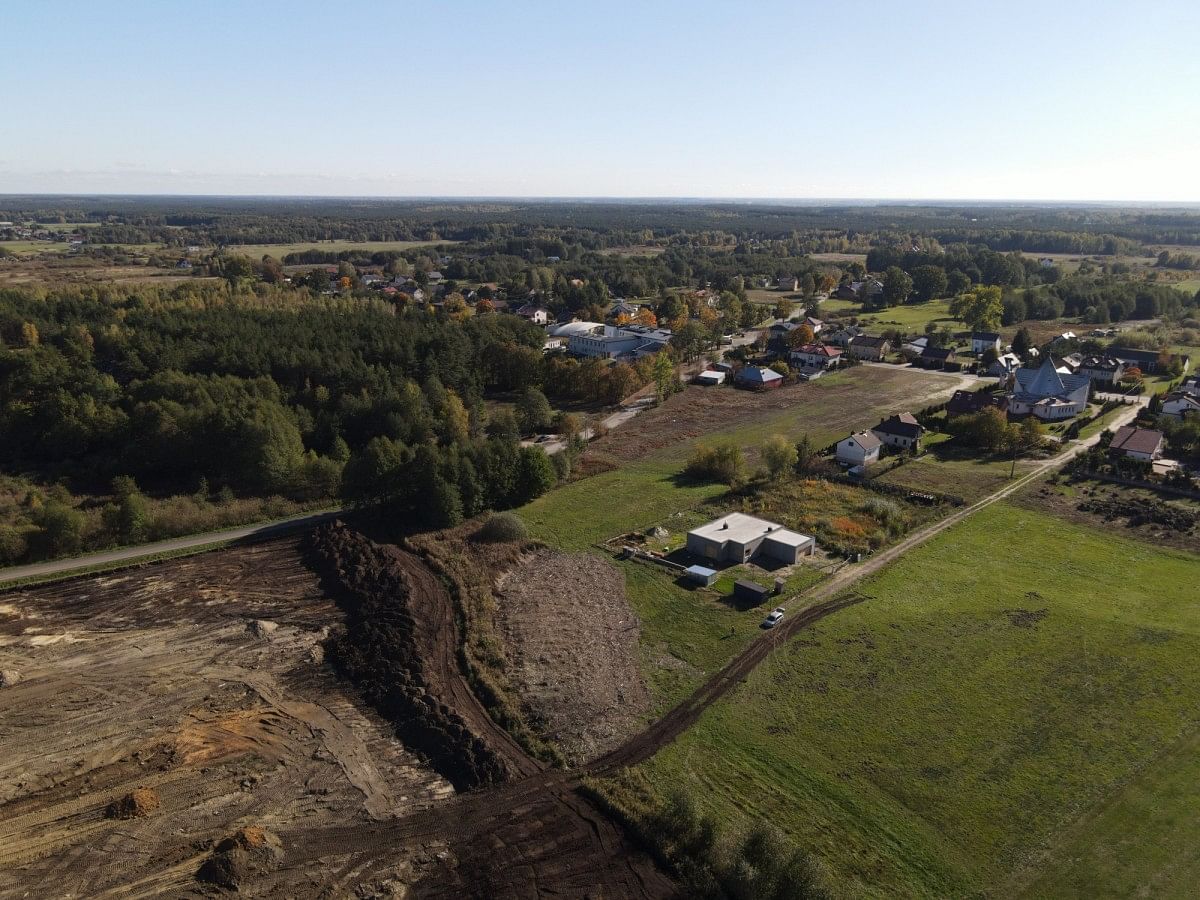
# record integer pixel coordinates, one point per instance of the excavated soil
(152, 682)
(393, 651)
(573, 643)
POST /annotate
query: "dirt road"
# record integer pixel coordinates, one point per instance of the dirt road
(259, 531)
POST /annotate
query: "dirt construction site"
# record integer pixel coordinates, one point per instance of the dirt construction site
(286, 718)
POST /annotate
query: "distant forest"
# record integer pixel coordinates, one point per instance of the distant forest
(595, 225)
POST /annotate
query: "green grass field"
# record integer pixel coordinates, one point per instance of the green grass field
(971, 479)
(33, 248)
(279, 251)
(910, 317)
(1190, 285)
(1013, 712)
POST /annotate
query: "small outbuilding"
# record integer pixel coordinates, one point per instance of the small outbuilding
(750, 591)
(758, 378)
(701, 575)
(710, 377)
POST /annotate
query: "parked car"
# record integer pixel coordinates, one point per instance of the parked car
(774, 618)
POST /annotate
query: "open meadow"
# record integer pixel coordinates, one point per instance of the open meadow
(1013, 712)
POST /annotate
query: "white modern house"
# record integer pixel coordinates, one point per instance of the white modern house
(859, 449)
(738, 538)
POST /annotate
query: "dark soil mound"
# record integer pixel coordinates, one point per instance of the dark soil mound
(250, 852)
(380, 652)
(134, 805)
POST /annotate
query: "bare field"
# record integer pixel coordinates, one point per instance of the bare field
(174, 730)
(825, 410)
(573, 641)
(202, 681)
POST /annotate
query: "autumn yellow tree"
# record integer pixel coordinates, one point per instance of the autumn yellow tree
(798, 337)
(646, 317)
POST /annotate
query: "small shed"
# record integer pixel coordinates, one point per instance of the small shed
(701, 575)
(710, 377)
(750, 591)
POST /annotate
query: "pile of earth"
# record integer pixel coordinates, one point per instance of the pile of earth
(250, 852)
(379, 653)
(136, 804)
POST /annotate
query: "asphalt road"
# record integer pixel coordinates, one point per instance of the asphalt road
(259, 531)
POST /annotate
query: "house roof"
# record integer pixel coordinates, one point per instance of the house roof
(1132, 439)
(863, 340)
(1126, 354)
(900, 425)
(741, 528)
(1044, 383)
(965, 402)
(758, 374)
(1183, 397)
(866, 440)
(573, 328)
(819, 350)
(937, 352)
(984, 336)
(1101, 363)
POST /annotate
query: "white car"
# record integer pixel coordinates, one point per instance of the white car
(775, 617)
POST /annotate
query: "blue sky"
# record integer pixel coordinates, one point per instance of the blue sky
(888, 99)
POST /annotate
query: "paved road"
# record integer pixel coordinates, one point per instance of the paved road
(260, 531)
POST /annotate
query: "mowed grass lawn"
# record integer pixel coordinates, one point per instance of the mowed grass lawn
(910, 317)
(1013, 712)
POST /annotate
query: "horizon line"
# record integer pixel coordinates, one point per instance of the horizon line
(614, 198)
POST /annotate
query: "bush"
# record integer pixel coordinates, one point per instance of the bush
(505, 528)
(882, 510)
(721, 463)
(12, 545)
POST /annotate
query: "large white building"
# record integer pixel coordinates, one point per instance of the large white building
(1048, 394)
(738, 538)
(595, 339)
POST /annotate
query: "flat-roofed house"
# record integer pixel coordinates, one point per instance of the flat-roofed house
(738, 538)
